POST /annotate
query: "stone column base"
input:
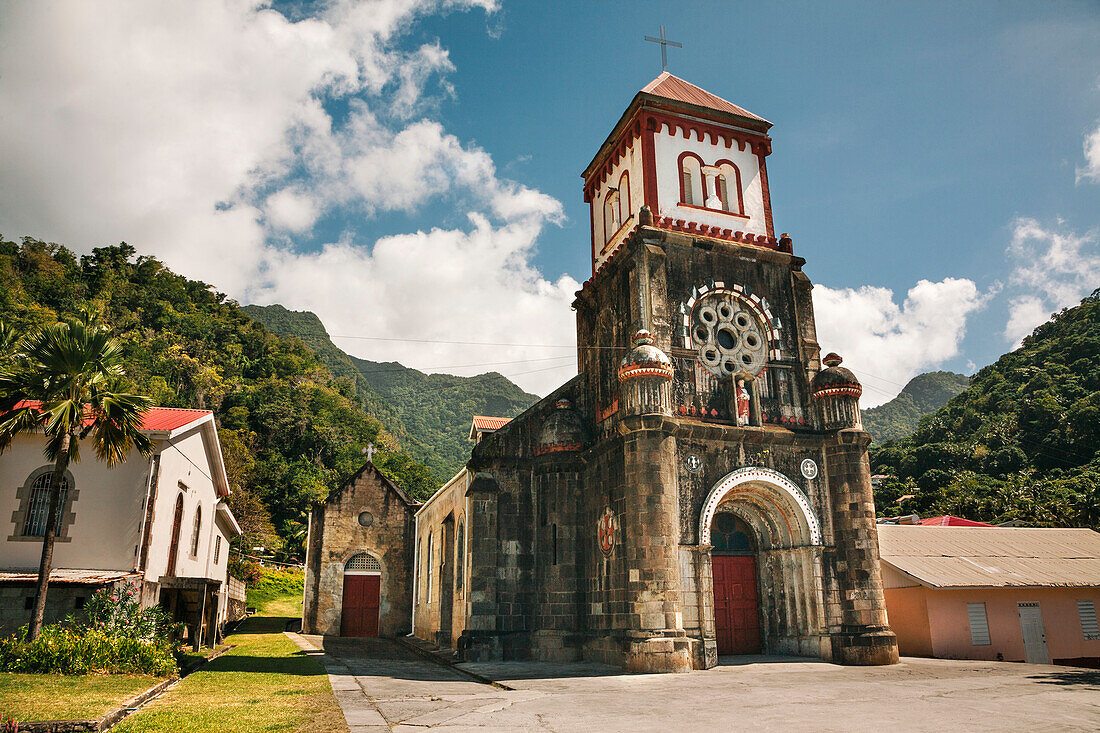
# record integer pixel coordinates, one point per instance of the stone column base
(865, 646)
(671, 653)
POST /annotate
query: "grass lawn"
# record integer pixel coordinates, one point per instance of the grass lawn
(58, 697)
(264, 684)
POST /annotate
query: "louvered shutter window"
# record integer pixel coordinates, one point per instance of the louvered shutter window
(687, 187)
(1086, 610)
(723, 193)
(979, 624)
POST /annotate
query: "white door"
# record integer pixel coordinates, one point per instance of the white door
(1035, 639)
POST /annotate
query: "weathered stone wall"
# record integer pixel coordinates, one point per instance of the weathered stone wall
(336, 535)
(441, 612)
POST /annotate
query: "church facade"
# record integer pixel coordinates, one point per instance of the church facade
(701, 487)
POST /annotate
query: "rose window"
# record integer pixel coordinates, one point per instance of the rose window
(727, 337)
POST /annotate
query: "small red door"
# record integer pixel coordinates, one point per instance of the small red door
(736, 610)
(360, 613)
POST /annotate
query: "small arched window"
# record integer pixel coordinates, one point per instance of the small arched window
(363, 563)
(624, 197)
(691, 180)
(195, 531)
(728, 187)
(460, 554)
(34, 523)
(611, 222)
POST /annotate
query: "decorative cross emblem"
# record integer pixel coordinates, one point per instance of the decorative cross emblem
(664, 43)
(370, 450)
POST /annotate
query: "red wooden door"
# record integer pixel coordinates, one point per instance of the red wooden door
(736, 609)
(360, 614)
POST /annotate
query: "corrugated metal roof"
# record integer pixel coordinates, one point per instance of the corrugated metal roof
(673, 87)
(77, 576)
(948, 520)
(979, 557)
(484, 423)
(156, 419)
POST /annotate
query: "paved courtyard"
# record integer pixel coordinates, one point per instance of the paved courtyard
(384, 686)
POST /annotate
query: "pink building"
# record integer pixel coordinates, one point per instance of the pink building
(1012, 594)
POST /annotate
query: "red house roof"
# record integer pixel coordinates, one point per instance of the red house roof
(673, 87)
(481, 422)
(950, 521)
(157, 419)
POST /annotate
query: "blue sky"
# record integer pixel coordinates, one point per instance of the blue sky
(939, 142)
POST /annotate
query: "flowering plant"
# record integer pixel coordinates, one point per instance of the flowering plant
(118, 612)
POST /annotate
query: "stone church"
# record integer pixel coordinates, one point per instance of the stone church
(701, 487)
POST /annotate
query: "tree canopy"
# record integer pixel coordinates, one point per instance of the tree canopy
(290, 430)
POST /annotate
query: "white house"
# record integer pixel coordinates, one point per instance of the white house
(159, 522)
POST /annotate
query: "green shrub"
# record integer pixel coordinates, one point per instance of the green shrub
(114, 636)
(65, 649)
(274, 583)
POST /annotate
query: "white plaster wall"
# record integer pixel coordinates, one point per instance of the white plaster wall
(631, 162)
(667, 149)
(183, 460)
(108, 507)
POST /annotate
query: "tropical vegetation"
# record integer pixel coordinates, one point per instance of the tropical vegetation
(432, 410)
(113, 635)
(1022, 442)
(65, 380)
(290, 430)
(923, 395)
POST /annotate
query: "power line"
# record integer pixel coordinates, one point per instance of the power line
(462, 366)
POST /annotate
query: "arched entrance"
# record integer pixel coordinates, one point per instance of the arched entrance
(765, 566)
(362, 596)
(736, 604)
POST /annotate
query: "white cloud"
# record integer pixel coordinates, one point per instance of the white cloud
(1091, 170)
(885, 344)
(1055, 268)
(295, 211)
(200, 132)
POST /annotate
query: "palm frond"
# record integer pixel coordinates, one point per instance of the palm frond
(117, 425)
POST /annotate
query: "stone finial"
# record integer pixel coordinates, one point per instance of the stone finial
(645, 216)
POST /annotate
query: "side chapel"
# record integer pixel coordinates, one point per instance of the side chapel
(701, 487)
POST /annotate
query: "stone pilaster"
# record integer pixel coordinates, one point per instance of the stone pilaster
(864, 636)
(653, 635)
(480, 640)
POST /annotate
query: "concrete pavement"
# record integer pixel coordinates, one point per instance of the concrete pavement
(383, 686)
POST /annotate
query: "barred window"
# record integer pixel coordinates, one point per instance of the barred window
(363, 563)
(35, 523)
(217, 548)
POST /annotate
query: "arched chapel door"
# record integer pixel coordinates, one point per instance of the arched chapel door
(174, 546)
(362, 596)
(736, 599)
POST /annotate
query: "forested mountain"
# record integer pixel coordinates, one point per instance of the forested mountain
(1021, 442)
(924, 394)
(436, 408)
(432, 410)
(289, 429)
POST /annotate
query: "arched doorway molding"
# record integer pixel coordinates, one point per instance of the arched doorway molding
(770, 503)
(788, 559)
(361, 598)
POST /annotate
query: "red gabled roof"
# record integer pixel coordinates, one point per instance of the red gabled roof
(948, 520)
(483, 423)
(673, 87)
(157, 419)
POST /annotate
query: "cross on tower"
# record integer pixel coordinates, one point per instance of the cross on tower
(370, 450)
(664, 42)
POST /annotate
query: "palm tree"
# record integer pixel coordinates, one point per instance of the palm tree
(63, 380)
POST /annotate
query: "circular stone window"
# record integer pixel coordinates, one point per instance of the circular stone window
(727, 337)
(366, 519)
